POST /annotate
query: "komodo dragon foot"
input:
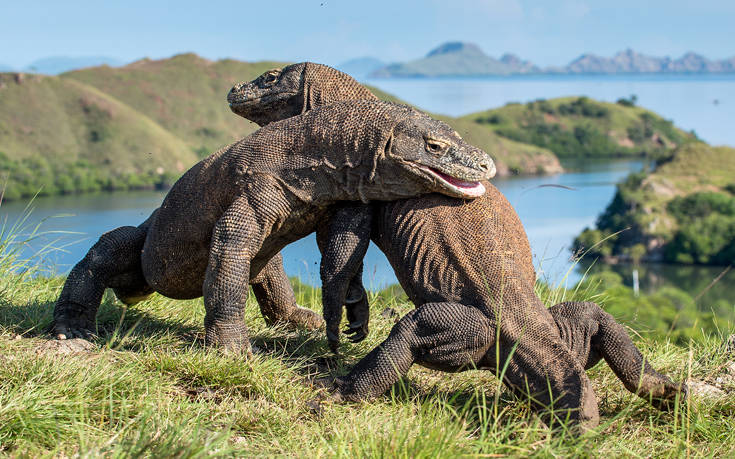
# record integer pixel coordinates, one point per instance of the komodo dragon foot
(73, 325)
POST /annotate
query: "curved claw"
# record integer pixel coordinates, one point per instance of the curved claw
(61, 333)
(357, 337)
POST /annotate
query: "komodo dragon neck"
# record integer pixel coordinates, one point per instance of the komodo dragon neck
(341, 156)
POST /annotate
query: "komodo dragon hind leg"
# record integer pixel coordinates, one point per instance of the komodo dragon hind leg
(114, 261)
(277, 301)
(453, 337)
(592, 334)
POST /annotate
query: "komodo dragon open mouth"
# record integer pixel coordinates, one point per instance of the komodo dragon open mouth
(460, 187)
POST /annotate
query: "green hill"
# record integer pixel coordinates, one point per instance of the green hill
(143, 124)
(582, 127)
(60, 135)
(682, 212)
(185, 94)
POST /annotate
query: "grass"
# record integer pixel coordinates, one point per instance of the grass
(150, 388)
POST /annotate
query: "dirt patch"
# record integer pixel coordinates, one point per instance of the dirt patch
(65, 347)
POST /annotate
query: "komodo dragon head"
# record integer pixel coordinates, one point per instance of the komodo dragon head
(282, 93)
(436, 153)
(431, 148)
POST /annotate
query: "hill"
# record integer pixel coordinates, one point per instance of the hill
(456, 59)
(143, 124)
(682, 212)
(629, 61)
(60, 135)
(185, 94)
(467, 59)
(582, 127)
(59, 64)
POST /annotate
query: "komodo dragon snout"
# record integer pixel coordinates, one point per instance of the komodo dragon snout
(437, 153)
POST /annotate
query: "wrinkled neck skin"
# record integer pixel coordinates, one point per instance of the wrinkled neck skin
(323, 86)
(323, 165)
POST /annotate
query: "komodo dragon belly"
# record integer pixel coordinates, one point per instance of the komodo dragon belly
(176, 252)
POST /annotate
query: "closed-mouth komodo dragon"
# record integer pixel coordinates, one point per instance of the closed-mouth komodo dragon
(468, 267)
(232, 212)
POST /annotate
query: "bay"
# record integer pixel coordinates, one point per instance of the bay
(703, 103)
(551, 215)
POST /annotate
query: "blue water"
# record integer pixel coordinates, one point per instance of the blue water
(703, 103)
(552, 217)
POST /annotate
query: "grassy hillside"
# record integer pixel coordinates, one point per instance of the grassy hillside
(65, 136)
(582, 127)
(682, 212)
(143, 124)
(185, 94)
(148, 387)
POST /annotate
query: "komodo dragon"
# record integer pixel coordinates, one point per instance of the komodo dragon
(468, 266)
(233, 211)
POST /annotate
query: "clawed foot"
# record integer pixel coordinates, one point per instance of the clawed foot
(329, 389)
(667, 401)
(356, 331)
(306, 318)
(70, 329)
(231, 338)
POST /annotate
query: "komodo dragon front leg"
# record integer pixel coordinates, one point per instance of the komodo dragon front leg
(452, 337)
(237, 236)
(115, 262)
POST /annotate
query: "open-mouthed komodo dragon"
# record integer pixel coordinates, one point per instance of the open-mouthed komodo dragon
(226, 217)
(468, 267)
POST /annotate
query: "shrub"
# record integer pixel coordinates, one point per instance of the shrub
(585, 107)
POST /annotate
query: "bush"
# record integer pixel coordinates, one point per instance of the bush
(701, 204)
(707, 240)
(628, 102)
(585, 107)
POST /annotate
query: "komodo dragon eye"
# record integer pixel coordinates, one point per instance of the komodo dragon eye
(435, 146)
(270, 78)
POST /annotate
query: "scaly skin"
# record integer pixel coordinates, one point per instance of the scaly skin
(468, 267)
(226, 218)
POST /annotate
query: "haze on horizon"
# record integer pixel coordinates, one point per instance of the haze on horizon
(333, 31)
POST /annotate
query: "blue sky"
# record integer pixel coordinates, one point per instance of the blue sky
(332, 31)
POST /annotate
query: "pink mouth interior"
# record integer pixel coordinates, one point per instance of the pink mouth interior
(474, 189)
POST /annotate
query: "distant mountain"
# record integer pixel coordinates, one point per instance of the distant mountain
(59, 64)
(467, 59)
(457, 59)
(361, 67)
(629, 61)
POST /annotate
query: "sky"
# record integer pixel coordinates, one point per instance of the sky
(551, 32)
